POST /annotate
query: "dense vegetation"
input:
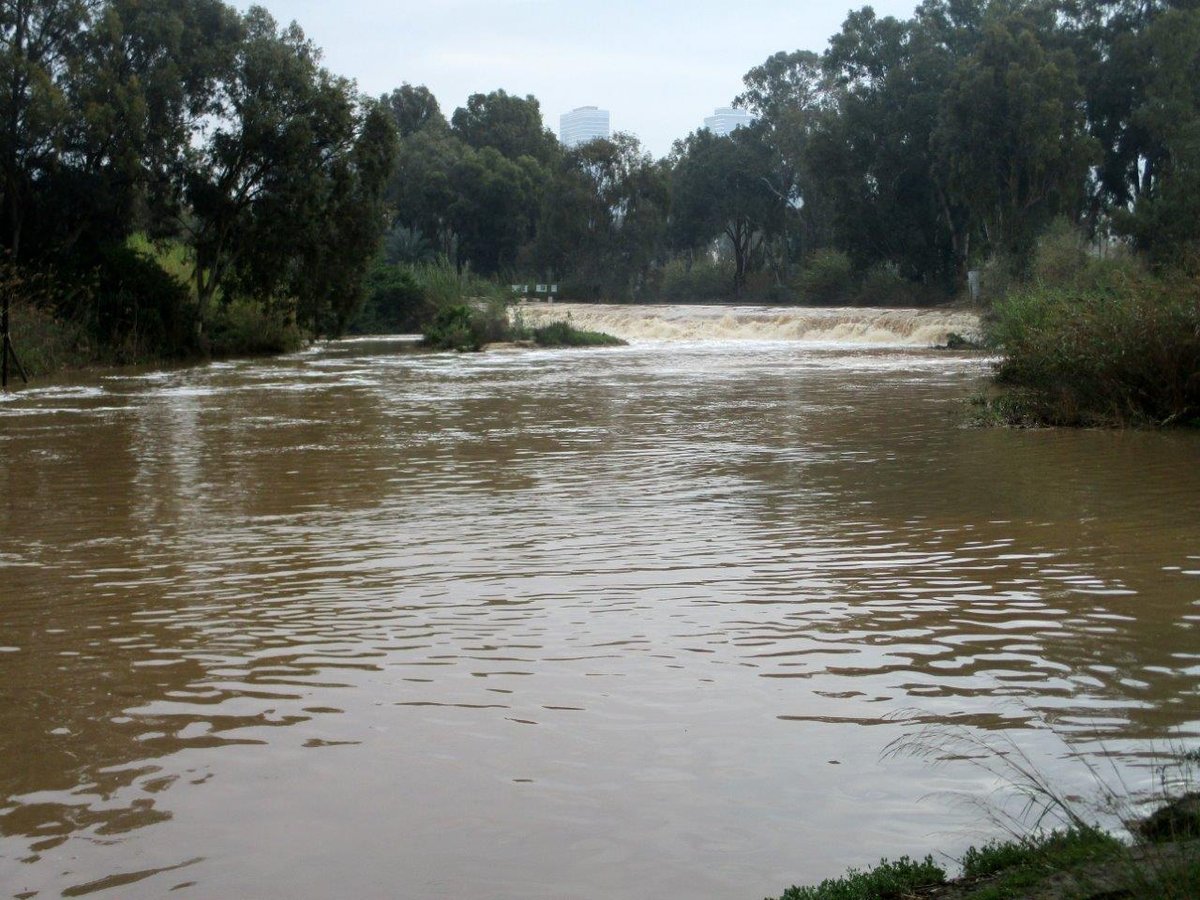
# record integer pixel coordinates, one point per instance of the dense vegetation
(177, 177)
(1068, 863)
(907, 153)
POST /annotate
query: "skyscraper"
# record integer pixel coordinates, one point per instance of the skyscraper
(582, 125)
(725, 119)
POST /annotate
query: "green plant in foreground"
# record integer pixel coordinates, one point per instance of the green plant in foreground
(888, 879)
(563, 334)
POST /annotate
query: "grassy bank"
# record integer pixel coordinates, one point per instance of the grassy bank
(135, 305)
(1161, 860)
(1095, 342)
(470, 327)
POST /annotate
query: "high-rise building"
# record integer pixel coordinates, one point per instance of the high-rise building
(725, 119)
(582, 125)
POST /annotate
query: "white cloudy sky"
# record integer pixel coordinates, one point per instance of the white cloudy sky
(659, 67)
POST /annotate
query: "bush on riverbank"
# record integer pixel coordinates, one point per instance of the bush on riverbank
(888, 879)
(564, 334)
(1076, 862)
(1103, 343)
(467, 327)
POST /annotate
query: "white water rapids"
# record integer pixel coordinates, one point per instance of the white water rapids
(825, 325)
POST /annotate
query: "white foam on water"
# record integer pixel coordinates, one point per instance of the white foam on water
(838, 326)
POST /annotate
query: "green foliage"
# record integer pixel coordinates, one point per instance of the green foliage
(246, 327)
(138, 309)
(887, 880)
(882, 285)
(468, 327)
(413, 109)
(395, 302)
(199, 130)
(827, 278)
(455, 328)
(44, 341)
(563, 334)
(1061, 254)
(508, 124)
(1055, 851)
(603, 219)
(1113, 346)
(1011, 140)
(703, 281)
(721, 188)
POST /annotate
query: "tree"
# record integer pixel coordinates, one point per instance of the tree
(869, 167)
(39, 42)
(1011, 136)
(603, 219)
(494, 209)
(511, 125)
(788, 94)
(421, 191)
(721, 187)
(413, 109)
(290, 159)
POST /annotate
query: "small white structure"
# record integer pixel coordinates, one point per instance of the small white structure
(587, 123)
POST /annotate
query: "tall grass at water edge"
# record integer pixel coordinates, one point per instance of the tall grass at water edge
(1056, 844)
(1092, 342)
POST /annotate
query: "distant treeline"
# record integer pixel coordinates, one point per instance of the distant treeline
(177, 176)
(884, 169)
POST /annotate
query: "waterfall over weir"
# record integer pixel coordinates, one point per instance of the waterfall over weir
(837, 325)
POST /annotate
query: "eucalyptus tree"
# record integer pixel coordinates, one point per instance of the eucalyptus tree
(603, 219)
(413, 108)
(508, 124)
(1011, 138)
(869, 155)
(41, 41)
(720, 187)
(788, 94)
(289, 156)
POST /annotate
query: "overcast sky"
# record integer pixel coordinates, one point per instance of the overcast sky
(658, 67)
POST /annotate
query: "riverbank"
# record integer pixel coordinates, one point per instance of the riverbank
(1162, 860)
(1095, 342)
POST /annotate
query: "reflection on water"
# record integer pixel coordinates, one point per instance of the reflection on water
(635, 623)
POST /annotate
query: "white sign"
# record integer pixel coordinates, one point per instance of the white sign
(541, 289)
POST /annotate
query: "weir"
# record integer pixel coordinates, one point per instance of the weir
(837, 325)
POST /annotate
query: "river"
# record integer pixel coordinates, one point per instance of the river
(626, 623)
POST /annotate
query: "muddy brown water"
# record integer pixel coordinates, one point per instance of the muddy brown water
(634, 623)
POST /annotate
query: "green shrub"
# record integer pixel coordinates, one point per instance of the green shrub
(887, 880)
(139, 310)
(394, 302)
(247, 327)
(826, 278)
(467, 327)
(563, 334)
(1055, 851)
(1061, 254)
(45, 343)
(704, 281)
(1113, 347)
(764, 287)
(884, 286)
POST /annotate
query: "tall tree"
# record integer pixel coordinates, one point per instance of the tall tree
(1011, 138)
(288, 147)
(721, 187)
(413, 109)
(509, 124)
(40, 40)
(603, 219)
